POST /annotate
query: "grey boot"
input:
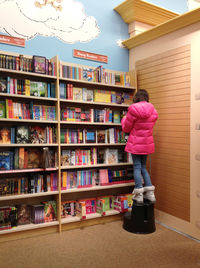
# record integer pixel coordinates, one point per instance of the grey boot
(138, 195)
(149, 193)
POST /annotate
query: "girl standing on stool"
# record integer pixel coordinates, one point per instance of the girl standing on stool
(139, 122)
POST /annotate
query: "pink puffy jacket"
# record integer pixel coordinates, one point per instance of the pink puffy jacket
(139, 123)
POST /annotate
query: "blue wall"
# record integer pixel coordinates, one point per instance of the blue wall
(111, 26)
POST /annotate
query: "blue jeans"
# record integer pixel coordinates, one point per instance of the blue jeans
(139, 168)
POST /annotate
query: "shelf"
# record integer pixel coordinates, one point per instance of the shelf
(29, 145)
(30, 226)
(26, 97)
(91, 144)
(90, 123)
(94, 84)
(94, 188)
(28, 121)
(96, 166)
(21, 196)
(95, 103)
(3, 70)
(27, 170)
(70, 219)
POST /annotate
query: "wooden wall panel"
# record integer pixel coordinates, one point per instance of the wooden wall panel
(166, 77)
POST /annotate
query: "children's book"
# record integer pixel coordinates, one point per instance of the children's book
(90, 136)
(87, 74)
(101, 136)
(22, 134)
(77, 94)
(87, 94)
(5, 135)
(2, 109)
(65, 158)
(3, 84)
(111, 156)
(37, 135)
(6, 160)
(23, 214)
(50, 211)
(34, 158)
(103, 177)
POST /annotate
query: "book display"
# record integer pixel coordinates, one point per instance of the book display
(60, 138)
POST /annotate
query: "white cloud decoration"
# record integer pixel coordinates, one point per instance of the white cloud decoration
(64, 19)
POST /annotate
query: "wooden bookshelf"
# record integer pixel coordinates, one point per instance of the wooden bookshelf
(58, 195)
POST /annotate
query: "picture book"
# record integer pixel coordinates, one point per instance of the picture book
(34, 158)
(116, 116)
(38, 89)
(23, 214)
(5, 218)
(6, 160)
(101, 136)
(3, 84)
(103, 177)
(87, 74)
(22, 134)
(90, 136)
(77, 94)
(65, 158)
(111, 156)
(50, 211)
(2, 109)
(87, 94)
(37, 135)
(5, 135)
(68, 209)
(71, 179)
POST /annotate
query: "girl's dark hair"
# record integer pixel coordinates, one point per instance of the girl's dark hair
(141, 95)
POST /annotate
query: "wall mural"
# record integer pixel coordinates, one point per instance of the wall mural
(64, 19)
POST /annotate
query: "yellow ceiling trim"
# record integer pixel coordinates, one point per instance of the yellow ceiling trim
(137, 10)
(170, 26)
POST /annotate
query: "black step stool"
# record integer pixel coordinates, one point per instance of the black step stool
(141, 219)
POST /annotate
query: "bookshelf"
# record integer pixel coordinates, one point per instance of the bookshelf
(57, 125)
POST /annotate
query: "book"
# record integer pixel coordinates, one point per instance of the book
(87, 74)
(37, 135)
(90, 136)
(23, 214)
(87, 94)
(111, 156)
(37, 213)
(77, 94)
(101, 136)
(34, 158)
(68, 209)
(2, 109)
(22, 134)
(65, 158)
(3, 84)
(50, 211)
(103, 177)
(5, 135)
(6, 160)
(5, 218)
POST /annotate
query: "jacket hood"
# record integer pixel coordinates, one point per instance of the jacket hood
(142, 109)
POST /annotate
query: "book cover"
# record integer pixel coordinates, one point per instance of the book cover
(23, 214)
(3, 84)
(77, 94)
(5, 135)
(2, 109)
(5, 160)
(103, 177)
(88, 94)
(101, 136)
(34, 158)
(87, 74)
(50, 211)
(111, 156)
(90, 136)
(65, 158)
(37, 135)
(22, 134)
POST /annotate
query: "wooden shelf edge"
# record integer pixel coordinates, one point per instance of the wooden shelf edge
(96, 188)
(22, 196)
(96, 166)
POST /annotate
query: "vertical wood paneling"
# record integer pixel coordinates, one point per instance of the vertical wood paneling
(166, 77)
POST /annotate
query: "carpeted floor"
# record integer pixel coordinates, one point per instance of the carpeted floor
(103, 246)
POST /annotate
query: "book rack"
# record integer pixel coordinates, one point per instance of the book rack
(57, 195)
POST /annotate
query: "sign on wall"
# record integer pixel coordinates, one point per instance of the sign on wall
(89, 56)
(10, 40)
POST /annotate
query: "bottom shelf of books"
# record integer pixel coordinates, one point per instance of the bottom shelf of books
(24, 217)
